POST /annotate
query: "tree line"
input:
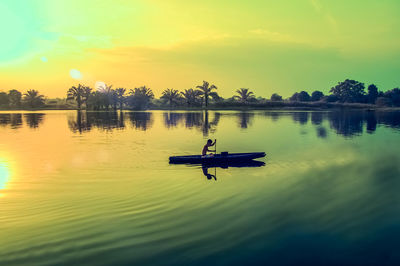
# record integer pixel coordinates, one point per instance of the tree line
(107, 98)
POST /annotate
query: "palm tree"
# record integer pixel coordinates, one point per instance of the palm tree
(107, 96)
(191, 96)
(77, 94)
(206, 91)
(244, 95)
(120, 92)
(171, 96)
(139, 98)
(87, 92)
(33, 98)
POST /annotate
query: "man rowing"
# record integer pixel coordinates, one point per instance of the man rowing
(205, 148)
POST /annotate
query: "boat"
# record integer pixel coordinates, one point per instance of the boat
(223, 157)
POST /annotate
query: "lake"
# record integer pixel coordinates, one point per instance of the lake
(97, 188)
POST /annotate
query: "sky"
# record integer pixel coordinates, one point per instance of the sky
(267, 46)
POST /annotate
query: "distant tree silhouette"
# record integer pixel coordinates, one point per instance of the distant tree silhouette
(77, 94)
(244, 95)
(394, 96)
(33, 99)
(14, 98)
(349, 91)
(294, 97)
(4, 99)
(372, 93)
(191, 96)
(316, 96)
(303, 96)
(276, 97)
(171, 96)
(383, 101)
(120, 95)
(206, 90)
(87, 92)
(140, 98)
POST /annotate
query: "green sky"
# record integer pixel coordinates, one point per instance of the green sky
(268, 46)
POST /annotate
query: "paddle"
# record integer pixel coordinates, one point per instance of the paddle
(215, 170)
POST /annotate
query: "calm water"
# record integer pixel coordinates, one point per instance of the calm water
(96, 188)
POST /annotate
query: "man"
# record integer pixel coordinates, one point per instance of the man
(205, 148)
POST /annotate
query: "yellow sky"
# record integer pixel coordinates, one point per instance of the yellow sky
(267, 46)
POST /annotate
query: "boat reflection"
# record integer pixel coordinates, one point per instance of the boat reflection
(224, 165)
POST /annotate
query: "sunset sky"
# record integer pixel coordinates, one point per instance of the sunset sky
(268, 46)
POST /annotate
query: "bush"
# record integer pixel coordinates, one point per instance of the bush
(383, 101)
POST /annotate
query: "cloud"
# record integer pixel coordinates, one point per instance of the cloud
(319, 9)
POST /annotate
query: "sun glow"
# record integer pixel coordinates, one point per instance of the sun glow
(4, 174)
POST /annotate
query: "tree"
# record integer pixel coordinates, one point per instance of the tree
(14, 98)
(77, 94)
(316, 96)
(33, 99)
(244, 95)
(276, 97)
(140, 98)
(294, 97)
(372, 93)
(87, 92)
(4, 99)
(349, 91)
(191, 96)
(171, 96)
(120, 93)
(206, 90)
(394, 96)
(303, 96)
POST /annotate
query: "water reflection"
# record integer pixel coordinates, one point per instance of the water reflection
(198, 120)
(301, 117)
(344, 123)
(141, 120)
(225, 165)
(172, 119)
(245, 119)
(85, 121)
(34, 120)
(12, 120)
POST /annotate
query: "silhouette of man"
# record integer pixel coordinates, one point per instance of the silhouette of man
(209, 176)
(205, 148)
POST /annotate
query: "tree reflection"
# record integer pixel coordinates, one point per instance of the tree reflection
(13, 120)
(141, 120)
(345, 123)
(85, 121)
(198, 120)
(317, 118)
(210, 127)
(193, 119)
(172, 119)
(245, 119)
(301, 117)
(34, 119)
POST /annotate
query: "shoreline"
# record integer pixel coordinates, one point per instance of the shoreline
(237, 108)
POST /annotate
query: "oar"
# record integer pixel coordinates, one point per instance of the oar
(215, 170)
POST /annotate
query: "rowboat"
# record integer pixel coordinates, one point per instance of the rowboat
(223, 157)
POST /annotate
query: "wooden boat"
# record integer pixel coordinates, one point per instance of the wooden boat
(223, 157)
